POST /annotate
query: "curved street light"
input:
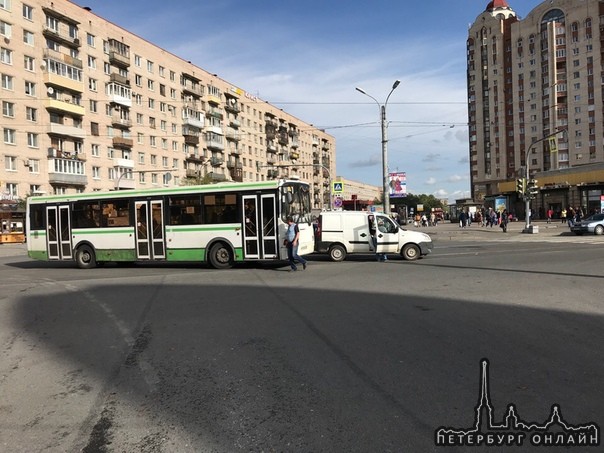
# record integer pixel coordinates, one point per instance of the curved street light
(382, 107)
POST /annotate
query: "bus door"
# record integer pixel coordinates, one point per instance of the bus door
(260, 226)
(150, 237)
(58, 233)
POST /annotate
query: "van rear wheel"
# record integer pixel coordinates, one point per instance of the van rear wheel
(337, 252)
(411, 252)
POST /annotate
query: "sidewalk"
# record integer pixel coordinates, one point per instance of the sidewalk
(547, 231)
(13, 249)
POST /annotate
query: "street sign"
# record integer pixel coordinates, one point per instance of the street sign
(337, 202)
(337, 187)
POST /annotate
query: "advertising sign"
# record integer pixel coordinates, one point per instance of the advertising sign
(398, 184)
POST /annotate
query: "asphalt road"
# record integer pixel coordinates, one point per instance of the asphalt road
(353, 356)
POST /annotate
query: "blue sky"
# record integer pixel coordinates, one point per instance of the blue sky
(308, 57)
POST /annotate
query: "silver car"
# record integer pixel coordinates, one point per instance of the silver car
(593, 224)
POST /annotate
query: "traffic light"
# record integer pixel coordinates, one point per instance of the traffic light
(521, 185)
(532, 189)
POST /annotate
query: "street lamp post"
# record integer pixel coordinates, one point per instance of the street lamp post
(384, 124)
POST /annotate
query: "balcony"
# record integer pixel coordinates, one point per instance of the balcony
(191, 139)
(123, 123)
(215, 143)
(272, 174)
(117, 59)
(193, 121)
(216, 161)
(235, 123)
(193, 89)
(232, 106)
(194, 158)
(123, 142)
(56, 80)
(118, 78)
(62, 38)
(63, 105)
(271, 147)
(123, 163)
(217, 177)
(294, 155)
(237, 174)
(67, 179)
(283, 138)
(66, 131)
(235, 151)
(63, 58)
(213, 99)
(232, 134)
(213, 112)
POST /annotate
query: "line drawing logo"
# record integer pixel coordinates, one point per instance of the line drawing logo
(513, 431)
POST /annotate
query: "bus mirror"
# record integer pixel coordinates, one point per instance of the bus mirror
(289, 198)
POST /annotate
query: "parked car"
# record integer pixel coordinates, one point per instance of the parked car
(593, 224)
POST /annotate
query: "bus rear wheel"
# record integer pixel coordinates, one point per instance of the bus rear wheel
(221, 256)
(85, 257)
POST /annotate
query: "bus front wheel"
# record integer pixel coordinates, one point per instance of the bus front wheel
(221, 256)
(85, 257)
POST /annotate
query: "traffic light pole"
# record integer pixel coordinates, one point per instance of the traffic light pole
(527, 191)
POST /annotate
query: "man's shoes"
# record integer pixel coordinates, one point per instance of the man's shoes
(293, 270)
(304, 266)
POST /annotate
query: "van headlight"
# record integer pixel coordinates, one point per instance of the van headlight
(426, 237)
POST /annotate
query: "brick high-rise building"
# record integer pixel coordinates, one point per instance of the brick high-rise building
(528, 78)
(87, 105)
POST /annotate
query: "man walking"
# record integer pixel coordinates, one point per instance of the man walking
(291, 242)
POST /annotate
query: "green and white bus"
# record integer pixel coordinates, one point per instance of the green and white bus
(218, 224)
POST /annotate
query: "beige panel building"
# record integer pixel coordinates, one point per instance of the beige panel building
(527, 79)
(87, 106)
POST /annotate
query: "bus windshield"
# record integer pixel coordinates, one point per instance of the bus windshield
(295, 202)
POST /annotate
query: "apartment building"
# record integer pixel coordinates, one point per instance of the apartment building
(88, 106)
(529, 78)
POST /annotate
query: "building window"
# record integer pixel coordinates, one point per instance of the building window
(32, 140)
(31, 114)
(90, 40)
(150, 67)
(10, 136)
(29, 63)
(30, 88)
(28, 12)
(7, 82)
(5, 29)
(93, 106)
(10, 163)
(28, 37)
(91, 62)
(8, 109)
(137, 60)
(92, 84)
(6, 56)
(34, 167)
(52, 23)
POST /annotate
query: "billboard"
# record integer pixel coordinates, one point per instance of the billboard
(398, 184)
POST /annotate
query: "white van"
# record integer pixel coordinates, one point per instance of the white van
(342, 232)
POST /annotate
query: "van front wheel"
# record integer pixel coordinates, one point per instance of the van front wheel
(337, 252)
(411, 252)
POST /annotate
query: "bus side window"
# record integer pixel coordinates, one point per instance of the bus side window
(37, 219)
